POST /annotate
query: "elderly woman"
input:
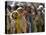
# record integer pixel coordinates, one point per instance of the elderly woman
(21, 23)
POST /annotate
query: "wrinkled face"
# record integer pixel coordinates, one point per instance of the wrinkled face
(14, 15)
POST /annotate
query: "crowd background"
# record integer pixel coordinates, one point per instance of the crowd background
(24, 17)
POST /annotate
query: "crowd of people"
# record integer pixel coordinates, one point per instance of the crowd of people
(25, 17)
